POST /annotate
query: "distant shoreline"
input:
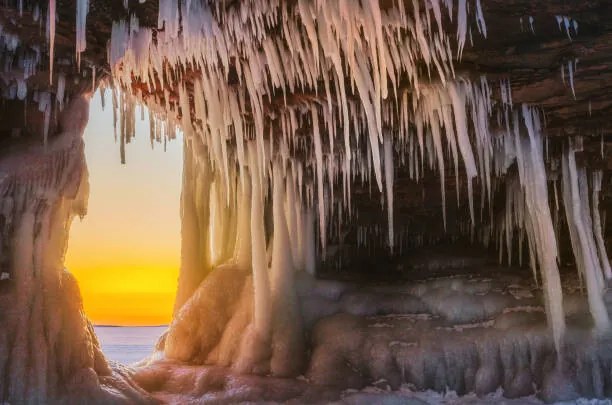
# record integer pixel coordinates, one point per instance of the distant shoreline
(130, 326)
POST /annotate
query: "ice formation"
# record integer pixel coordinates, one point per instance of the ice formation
(82, 8)
(51, 33)
(48, 350)
(586, 251)
(571, 71)
(286, 107)
(347, 59)
(568, 24)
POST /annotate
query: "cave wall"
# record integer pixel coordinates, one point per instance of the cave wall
(48, 344)
(48, 349)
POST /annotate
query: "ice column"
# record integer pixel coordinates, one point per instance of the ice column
(539, 227)
(575, 189)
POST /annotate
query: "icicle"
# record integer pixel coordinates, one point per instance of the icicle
(319, 170)
(261, 283)
(22, 89)
(388, 148)
(540, 230)
(575, 24)
(51, 17)
(566, 23)
(309, 242)
(601, 246)
(461, 26)
(81, 29)
(582, 239)
(482, 26)
(61, 88)
(570, 69)
(563, 73)
(559, 21)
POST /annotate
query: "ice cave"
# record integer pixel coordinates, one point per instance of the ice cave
(382, 201)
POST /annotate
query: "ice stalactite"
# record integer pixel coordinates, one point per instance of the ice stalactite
(578, 213)
(320, 184)
(601, 246)
(482, 25)
(388, 161)
(309, 243)
(539, 227)
(82, 9)
(527, 208)
(571, 71)
(568, 24)
(51, 35)
(61, 90)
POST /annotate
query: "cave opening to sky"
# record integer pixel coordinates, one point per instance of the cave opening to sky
(125, 251)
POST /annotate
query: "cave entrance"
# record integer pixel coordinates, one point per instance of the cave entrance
(125, 252)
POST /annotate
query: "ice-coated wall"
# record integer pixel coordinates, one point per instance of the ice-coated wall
(48, 349)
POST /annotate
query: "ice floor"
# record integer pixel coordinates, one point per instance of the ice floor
(473, 338)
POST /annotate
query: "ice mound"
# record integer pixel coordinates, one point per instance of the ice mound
(470, 334)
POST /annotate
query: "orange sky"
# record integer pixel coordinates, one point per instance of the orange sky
(125, 253)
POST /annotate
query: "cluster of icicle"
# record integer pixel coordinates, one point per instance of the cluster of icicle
(82, 9)
(320, 46)
(11, 53)
(20, 63)
(325, 94)
(22, 60)
(527, 212)
(26, 58)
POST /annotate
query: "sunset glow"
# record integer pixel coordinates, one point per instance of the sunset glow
(125, 252)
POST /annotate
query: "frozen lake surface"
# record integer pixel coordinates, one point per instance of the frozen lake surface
(128, 344)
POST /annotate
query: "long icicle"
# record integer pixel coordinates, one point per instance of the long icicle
(51, 17)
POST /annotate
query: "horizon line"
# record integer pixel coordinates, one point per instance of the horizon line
(129, 326)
